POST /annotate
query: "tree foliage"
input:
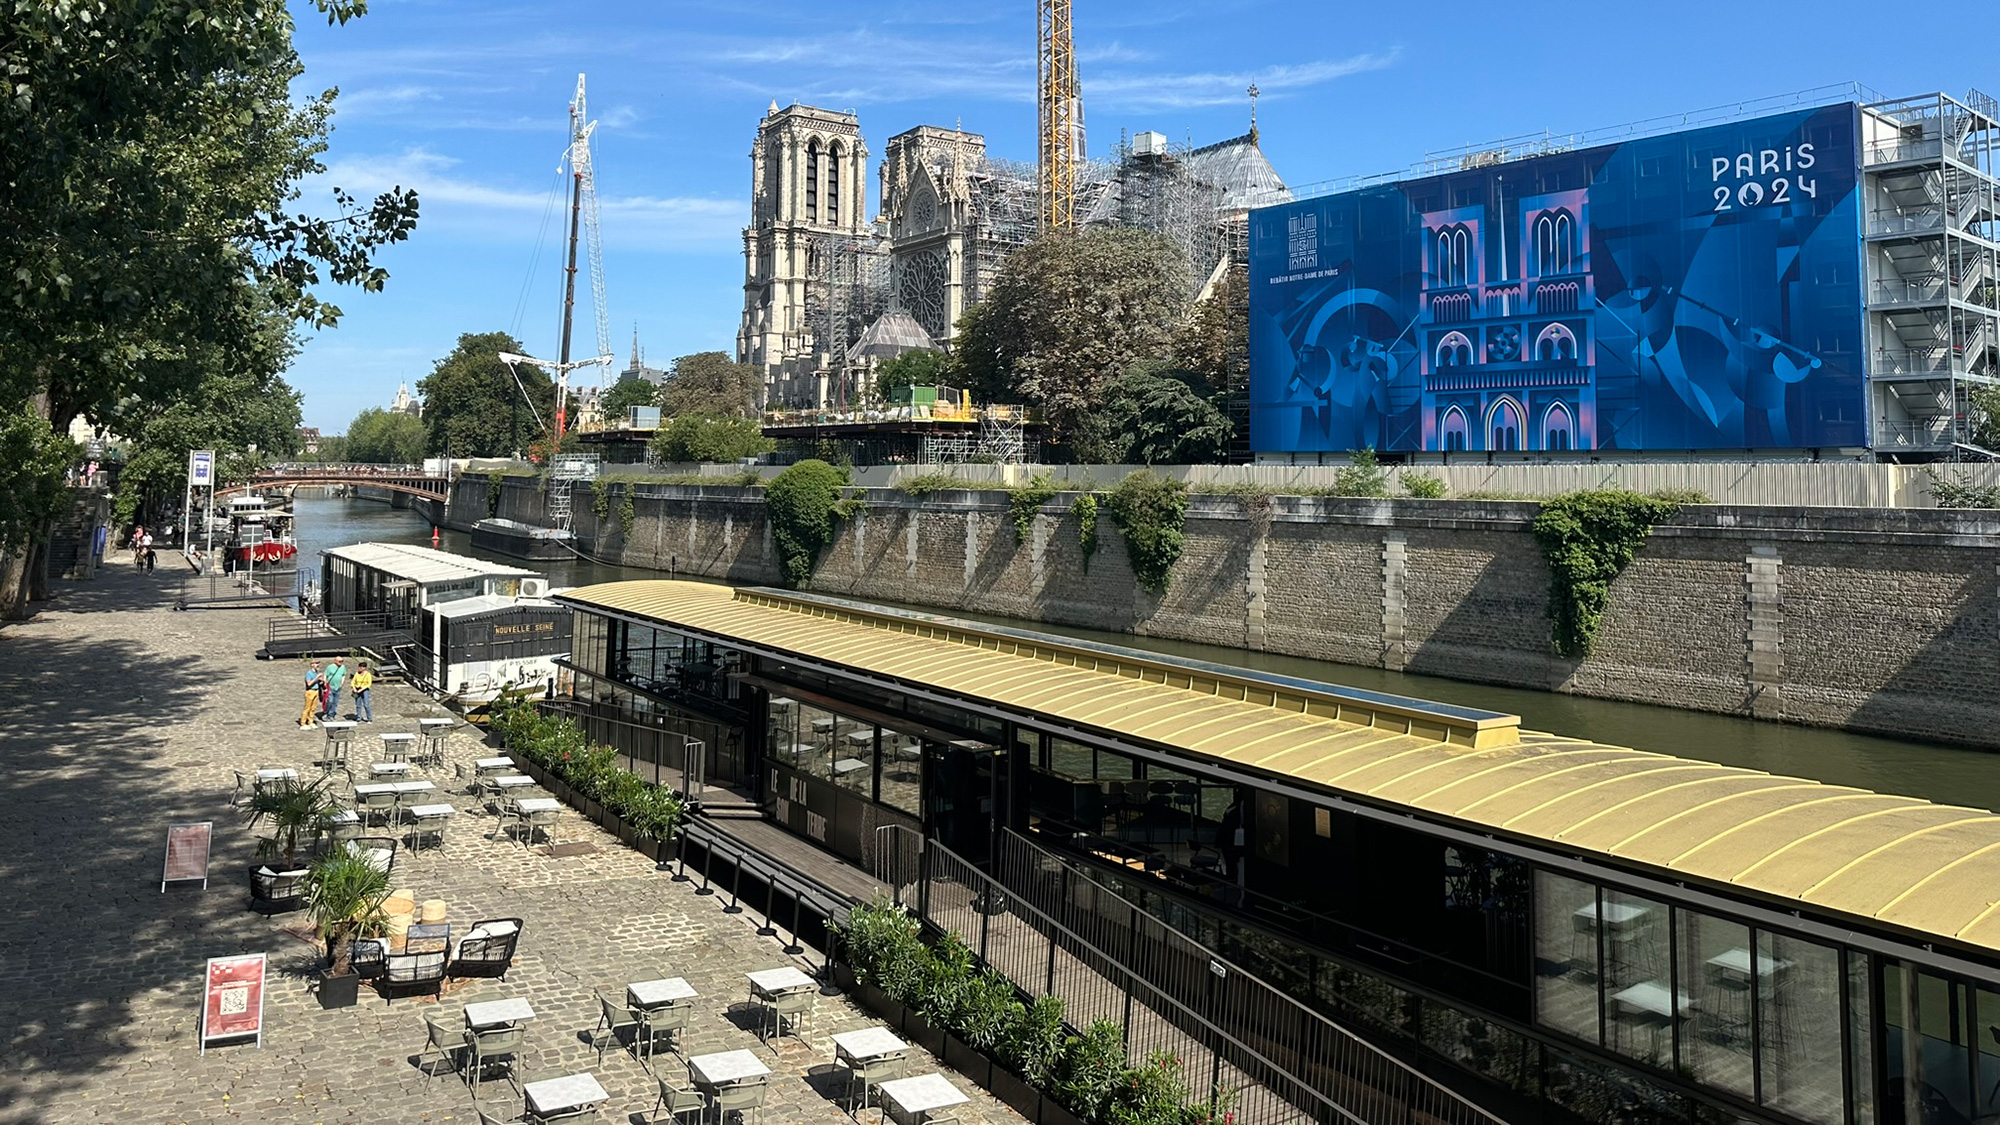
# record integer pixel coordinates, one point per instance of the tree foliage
(1067, 316)
(1215, 341)
(710, 383)
(385, 437)
(802, 503)
(1984, 400)
(920, 368)
(1150, 512)
(1156, 415)
(626, 394)
(1588, 539)
(706, 437)
(228, 412)
(473, 407)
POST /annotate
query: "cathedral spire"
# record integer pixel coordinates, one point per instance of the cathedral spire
(1253, 91)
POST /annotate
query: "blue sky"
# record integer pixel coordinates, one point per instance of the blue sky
(467, 101)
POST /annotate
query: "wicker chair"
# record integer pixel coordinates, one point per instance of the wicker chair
(487, 949)
(276, 892)
(411, 972)
(370, 957)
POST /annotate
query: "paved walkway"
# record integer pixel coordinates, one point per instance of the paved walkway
(119, 716)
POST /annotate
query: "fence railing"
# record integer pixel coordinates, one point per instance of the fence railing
(1275, 1060)
(682, 754)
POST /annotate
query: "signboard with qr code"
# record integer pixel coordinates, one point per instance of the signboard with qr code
(233, 999)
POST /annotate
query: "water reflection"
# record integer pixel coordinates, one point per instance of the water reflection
(1937, 773)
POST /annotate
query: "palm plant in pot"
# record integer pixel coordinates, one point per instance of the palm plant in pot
(295, 811)
(344, 893)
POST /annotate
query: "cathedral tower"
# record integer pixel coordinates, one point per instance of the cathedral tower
(808, 179)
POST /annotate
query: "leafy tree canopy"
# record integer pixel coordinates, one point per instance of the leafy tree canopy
(332, 450)
(1070, 313)
(473, 407)
(1215, 341)
(1155, 415)
(229, 412)
(711, 383)
(707, 437)
(920, 368)
(384, 437)
(628, 393)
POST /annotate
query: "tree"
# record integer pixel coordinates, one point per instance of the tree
(474, 408)
(920, 368)
(383, 437)
(1215, 341)
(976, 364)
(705, 437)
(1156, 415)
(1985, 412)
(1071, 312)
(710, 383)
(230, 413)
(332, 450)
(150, 153)
(628, 393)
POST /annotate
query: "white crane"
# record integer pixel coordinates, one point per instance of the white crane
(580, 134)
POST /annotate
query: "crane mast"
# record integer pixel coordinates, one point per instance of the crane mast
(1060, 107)
(587, 181)
(583, 213)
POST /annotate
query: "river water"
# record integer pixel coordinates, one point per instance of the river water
(1946, 774)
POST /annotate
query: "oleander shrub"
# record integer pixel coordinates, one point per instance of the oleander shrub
(559, 746)
(1090, 1069)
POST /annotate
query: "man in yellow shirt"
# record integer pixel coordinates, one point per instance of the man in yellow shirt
(362, 681)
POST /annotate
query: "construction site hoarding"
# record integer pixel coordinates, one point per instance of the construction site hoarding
(1699, 290)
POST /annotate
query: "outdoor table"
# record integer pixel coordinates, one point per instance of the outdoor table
(389, 769)
(803, 750)
(497, 1013)
(408, 787)
(770, 983)
(570, 1094)
(537, 804)
(1735, 964)
(1617, 915)
(658, 993)
(848, 765)
(725, 1067)
(912, 1099)
(857, 1047)
(511, 781)
(427, 937)
(823, 726)
(396, 747)
(860, 738)
(337, 729)
(487, 767)
(278, 775)
(431, 818)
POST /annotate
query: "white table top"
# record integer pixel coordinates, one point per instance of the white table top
(402, 737)
(433, 722)
(571, 1091)
(493, 1013)
(493, 763)
(394, 787)
(653, 993)
(1615, 913)
(511, 781)
(538, 804)
(923, 1093)
(849, 765)
(861, 737)
(339, 724)
(801, 749)
(726, 1066)
(379, 768)
(344, 816)
(431, 810)
(278, 775)
(772, 981)
(1649, 997)
(822, 725)
(868, 1043)
(1737, 961)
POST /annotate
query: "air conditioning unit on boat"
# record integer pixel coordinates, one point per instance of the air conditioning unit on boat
(534, 587)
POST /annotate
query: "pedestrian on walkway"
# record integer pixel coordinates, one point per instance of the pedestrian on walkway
(336, 678)
(363, 680)
(139, 546)
(314, 681)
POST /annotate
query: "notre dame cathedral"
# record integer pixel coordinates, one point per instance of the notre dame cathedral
(828, 292)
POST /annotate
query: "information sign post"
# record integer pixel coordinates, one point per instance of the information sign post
(201, 474)
(232, 1004)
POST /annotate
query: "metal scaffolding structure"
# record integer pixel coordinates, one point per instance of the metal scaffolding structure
(849, 289)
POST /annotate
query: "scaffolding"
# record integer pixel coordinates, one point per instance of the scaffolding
(1002, 439)
(1161, 187)
(848, 290)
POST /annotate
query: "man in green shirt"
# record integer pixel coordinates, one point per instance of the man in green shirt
(336, 678)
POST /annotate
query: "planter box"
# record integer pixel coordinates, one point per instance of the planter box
(343, 991)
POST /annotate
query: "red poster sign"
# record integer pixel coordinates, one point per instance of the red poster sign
(187, 854)
(233, 999)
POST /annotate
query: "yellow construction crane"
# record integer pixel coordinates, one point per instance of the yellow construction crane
(1060, 109)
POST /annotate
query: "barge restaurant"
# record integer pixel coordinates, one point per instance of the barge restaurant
(1559, 930)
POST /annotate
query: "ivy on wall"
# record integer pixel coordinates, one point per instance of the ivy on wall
(1151, 511)
(1588, 539)
(1026, 501)
(493, 483)
(626, 511)
(600, 503)
(802, 503)
(1085, 511)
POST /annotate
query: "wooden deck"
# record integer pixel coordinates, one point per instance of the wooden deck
(799, 855)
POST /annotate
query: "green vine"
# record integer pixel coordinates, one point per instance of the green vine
(1026, 502)
(600, 502)
(626, 512)
(493, 483)
(1588, 539)
(1085, 511)
(1150, 512)
(801, 503)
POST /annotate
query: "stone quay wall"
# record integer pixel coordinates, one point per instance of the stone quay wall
(1883, 620)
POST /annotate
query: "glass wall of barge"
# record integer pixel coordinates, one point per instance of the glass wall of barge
(1554, 991)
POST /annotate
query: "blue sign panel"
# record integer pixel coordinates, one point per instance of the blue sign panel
(1700, 290)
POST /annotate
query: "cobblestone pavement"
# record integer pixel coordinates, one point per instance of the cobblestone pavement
(119, 716)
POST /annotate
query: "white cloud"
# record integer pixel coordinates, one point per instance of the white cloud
(1135, 90)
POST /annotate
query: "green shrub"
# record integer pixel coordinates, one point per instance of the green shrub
(947, 977)
(990, 1010)
(626, 511)
(1678, 496)
(1588, 539)
(1150, 512)
(1091, 1066)
(1026, 502)
(1423, 486)
(493, 483)
(1085, 511)
(802, 503)
(1033, 1047)
(600, 502)
(709, 437)
(923, 484)
(559, 746)
(1362, 476)
(1958, 491)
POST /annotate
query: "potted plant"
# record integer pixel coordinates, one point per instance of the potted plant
(344, 893)
(295, 810)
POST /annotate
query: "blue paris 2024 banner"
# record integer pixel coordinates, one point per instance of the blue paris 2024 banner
(1700, 290)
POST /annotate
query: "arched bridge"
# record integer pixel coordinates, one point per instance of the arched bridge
(414, 482)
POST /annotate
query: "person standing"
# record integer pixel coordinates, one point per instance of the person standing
(139, 546)
(336, 678)
(363, 680)
(314, 681)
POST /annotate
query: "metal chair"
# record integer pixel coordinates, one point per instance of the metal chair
(675, 1101)
(373, 805)
(486, 1118)
(874, 1072)
(440, 1037)
(433, 824)
(614, 1016)
(544, 819)
(486, 1046)
(741, 1096)
(653, 1022)
(797, 1005)
(244, 785)
(370, 958)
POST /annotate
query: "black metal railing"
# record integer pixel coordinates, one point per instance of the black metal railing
(683, 754)
(369, 624)
(1275, 1059)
